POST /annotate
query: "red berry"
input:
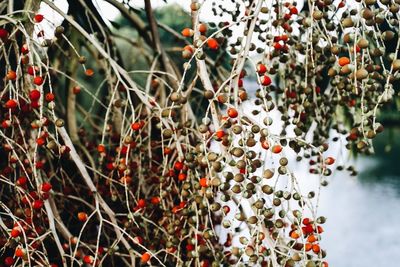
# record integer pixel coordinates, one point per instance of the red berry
(293, 10)
(21, 181)
(24, 49)
(178, 166)
(38, 18)
(38, 80)
(9, 261)
(32, 70)
(141, 203)
(34, 95)
(3, 34)
(155, 200)
(136, 126)
(6, 124)
(35, 104)
(37, 204)
(266, 80)
(261, 68)
(11, 103)
(76, 90)
(88, 259)
(15, 232)
(49, 97)
(19, 252)
(46, 187)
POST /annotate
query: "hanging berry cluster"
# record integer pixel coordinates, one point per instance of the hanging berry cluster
(196, 165)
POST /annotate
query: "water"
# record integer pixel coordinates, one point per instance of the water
(363, 213)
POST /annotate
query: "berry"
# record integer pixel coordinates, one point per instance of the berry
(11, 103)
(49, 97)
(266, 80)
(38, 80)
(145, 257)
(15, 232)
(276, 149)
(46, 187)
(212, 44)
(11, 75)
(343, 61)
(38, 18)
(187, 32)
(203, 182)
(20, 252)
(34, 95)
(82, 216)
(37, 204)
(3, 34)
(261, 68)
(232, 112)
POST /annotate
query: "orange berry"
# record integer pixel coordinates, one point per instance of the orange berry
(82, 216)
(136, 126)
(145, 257)
(11, 75)
(220, 134)
(155, 200)
(311, 238)
(76, 90)
(213, 44)
(187, 32)
(277, 149)
(265, 144)
(232, 112)
(203, 28)
(89, 72)
(182, 176)
(20, 252)
(316, 248)
(329, 161)
(167, 151)
(308, 246)
(203, 182)
(101, 148)
(294, 234)
(344, 61)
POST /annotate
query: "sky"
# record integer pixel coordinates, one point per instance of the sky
(110, 12)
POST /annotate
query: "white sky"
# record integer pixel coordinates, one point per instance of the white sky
(110, 12)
